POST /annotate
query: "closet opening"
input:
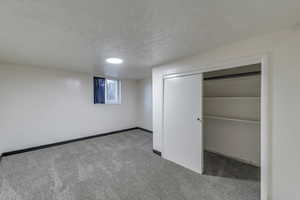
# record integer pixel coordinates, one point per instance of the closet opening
(231, 122)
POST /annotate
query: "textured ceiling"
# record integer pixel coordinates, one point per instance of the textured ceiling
(80, 34)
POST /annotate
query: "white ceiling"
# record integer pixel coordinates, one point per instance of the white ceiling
(80, 34)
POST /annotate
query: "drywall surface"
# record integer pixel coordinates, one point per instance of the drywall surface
(40, 106)
(244, 108)
(238, 140)
(283, 49)
(235, 87)
(145, 103)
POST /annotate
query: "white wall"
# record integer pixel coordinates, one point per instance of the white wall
(238, 140)
(40, 106)
(145, 103)
(284, 97)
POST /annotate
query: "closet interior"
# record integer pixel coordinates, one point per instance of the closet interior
(231, 125)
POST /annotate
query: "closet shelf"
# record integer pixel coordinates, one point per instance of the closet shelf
(232, 119)
(232, 97)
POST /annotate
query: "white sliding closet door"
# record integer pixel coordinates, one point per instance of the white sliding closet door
(182, 136)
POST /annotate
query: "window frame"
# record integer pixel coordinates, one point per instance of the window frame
(118, 93)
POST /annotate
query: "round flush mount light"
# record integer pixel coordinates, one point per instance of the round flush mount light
(114, 60)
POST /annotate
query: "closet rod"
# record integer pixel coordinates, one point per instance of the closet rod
(234, 75)
(232, 119)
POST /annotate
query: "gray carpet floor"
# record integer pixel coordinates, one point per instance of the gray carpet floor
(115, 167)
(218, 165)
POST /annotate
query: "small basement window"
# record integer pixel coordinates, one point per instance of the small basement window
(107, 91)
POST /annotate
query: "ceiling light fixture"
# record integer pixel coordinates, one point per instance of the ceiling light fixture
(114, 60)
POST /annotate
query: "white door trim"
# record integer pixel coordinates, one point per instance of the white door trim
(265, 129)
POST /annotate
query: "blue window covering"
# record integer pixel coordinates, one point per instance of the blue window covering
(99, 90)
